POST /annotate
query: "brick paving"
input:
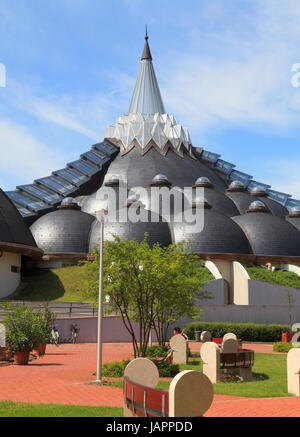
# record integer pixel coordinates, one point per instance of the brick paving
(60, 377)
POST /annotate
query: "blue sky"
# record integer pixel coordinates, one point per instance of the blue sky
(224, 69)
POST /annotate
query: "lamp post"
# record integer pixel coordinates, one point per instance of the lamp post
(100, 216)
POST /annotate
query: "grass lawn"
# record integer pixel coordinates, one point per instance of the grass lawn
(12, 409)
(66, 284)
(270, 368)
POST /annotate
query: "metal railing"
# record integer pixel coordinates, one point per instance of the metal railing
(63, 310)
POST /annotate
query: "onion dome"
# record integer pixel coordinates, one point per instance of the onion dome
(64, 231)
(15, 236)
(157, 229)
(269, 235)
(275, 208)
(294, 217)
(160, 180)
(220, 235)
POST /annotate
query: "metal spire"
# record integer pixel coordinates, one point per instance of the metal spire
(146, 97)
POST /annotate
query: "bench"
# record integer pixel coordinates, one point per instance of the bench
(190, 393)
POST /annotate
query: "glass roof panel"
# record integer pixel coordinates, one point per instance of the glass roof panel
(56, 185)
(23, 200)
(84, 167)
(105, 148)
(71, 175)
(37, 191)
(93, 157)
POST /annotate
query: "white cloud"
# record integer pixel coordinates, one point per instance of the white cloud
(22, 155)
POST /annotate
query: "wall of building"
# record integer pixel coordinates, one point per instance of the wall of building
(266, 314)
(114, 330)
(9, 280)
(263, 293)
(218, 290)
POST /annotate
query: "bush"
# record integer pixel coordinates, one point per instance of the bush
(117, 368)
(23, 328)
(244, 331)
(156, 351)
(283, 347)
(166, 369)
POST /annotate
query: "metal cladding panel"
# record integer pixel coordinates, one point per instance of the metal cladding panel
(63, 231)
(12, 226)
(157, 232)
(140, 170)
(270, 235)
(295, 221)
(219, 235)
(146, 97)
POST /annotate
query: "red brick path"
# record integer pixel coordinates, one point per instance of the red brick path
(59, 378)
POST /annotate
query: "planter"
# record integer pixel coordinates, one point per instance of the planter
(286, 337)
(40, 350)
(5, 355)
(21, 358)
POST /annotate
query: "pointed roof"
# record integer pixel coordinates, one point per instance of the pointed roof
(146, 97)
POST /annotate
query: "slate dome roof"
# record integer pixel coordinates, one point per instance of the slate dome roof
(157, 231)
(269, 235)
(13, 230)
(65, 230)
(219, 235)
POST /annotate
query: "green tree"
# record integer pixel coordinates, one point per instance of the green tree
(152, 286)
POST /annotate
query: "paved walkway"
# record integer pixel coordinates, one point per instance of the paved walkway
(61, 375)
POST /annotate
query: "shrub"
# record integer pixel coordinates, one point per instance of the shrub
(166, 369)
(156, 351)
(117, 368)
(23, 328)
(244, 331)
(283, 347)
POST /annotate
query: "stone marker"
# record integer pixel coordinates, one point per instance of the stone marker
(230, 346)
(179, 346)
(142, 371)
(205, 336)
(2, 335)
(229, 335)
(293, 371)
(210, 355)
(190, 394)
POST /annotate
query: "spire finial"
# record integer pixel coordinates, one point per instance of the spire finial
(146, 53)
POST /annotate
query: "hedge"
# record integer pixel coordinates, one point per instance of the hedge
(244, 331)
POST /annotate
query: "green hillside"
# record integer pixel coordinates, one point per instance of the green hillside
(279, 277)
